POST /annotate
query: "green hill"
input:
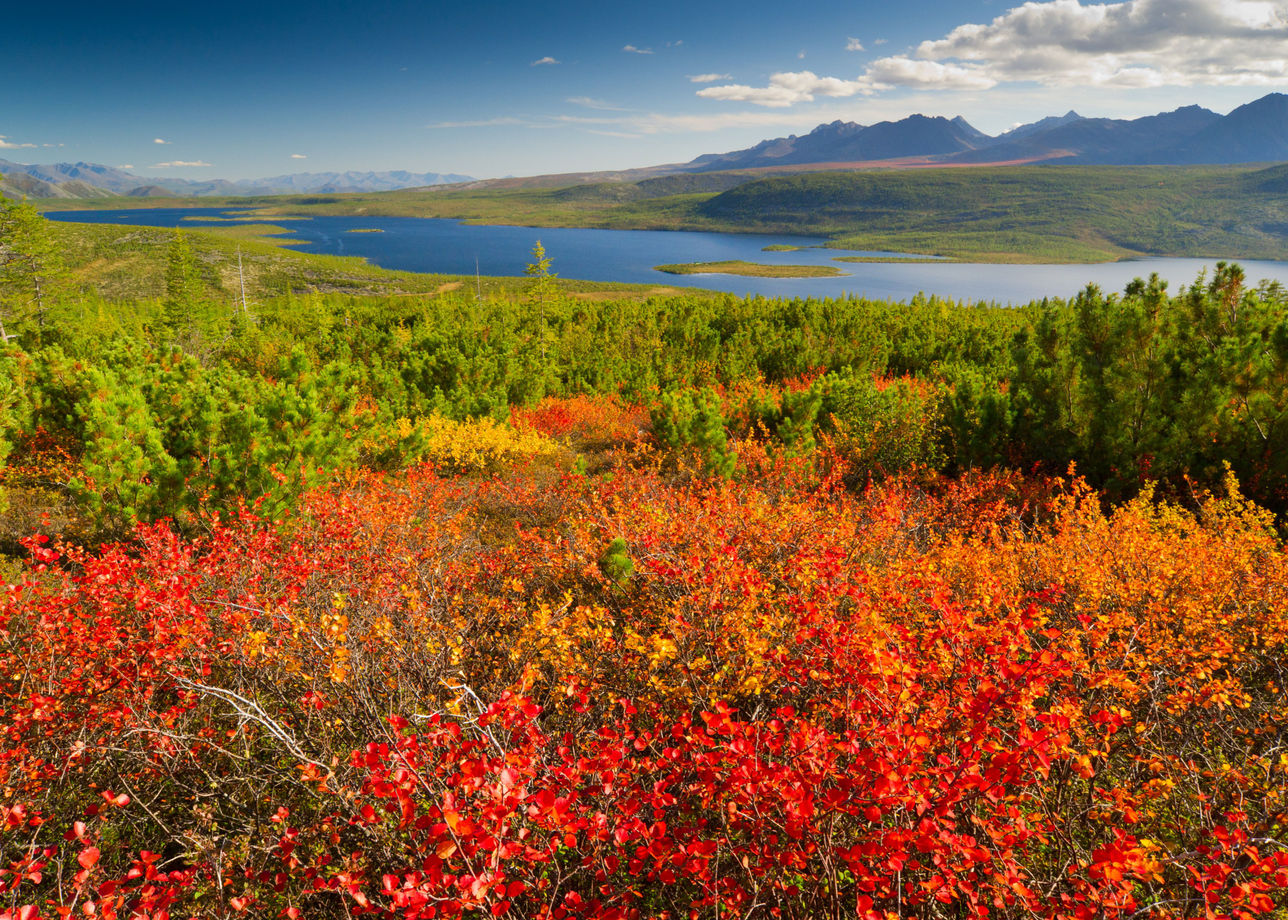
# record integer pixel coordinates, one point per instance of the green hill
(1043, 212)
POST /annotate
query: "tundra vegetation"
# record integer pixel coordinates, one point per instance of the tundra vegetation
(416, 602)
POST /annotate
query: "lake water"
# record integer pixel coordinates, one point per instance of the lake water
(451, 247)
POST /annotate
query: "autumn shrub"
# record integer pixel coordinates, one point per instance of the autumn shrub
(637, 696)
(585, 422)
(466, 446)
(6, 428)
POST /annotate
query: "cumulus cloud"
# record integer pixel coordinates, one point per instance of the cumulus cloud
(890, 72)
(157, 140)
(853, 44)
(545, 60)
(707, 77)
(633, 50)
(177, 163)
(6, 144)
(299, 156)
(1130, 44)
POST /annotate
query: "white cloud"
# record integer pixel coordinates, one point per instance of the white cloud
(126, 166)
(633, 50)
(886, 73)
(1068, 43)
(10, 145)
(708, 77)
(157, 140)
(545, 60)
(786, 89)
(177, 163)
(1130, 44)
(853, 44)
(587, 102)
(299, 156)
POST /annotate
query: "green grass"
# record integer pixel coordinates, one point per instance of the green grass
(913, 260)
(751, 269)
(780, 247)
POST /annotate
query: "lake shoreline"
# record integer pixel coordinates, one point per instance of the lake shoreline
(450, 246)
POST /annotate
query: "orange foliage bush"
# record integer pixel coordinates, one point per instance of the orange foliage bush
(588, 422)
(427, 697)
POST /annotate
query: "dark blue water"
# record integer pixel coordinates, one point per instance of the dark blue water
(451, 247)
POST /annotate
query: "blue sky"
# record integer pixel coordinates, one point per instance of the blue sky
(240, 90)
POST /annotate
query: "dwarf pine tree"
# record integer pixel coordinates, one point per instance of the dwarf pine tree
(692, 425)
(6, 425)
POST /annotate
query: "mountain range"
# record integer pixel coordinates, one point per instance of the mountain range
(92, 180)
(1253, 133)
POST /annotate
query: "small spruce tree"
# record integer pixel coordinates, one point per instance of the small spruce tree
(32, 270)
(183, 291)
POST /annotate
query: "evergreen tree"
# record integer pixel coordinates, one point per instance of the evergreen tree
(615, 562)
(542, 288)
(692, 425)
(183, 290)
(31, 265)
(6, 425)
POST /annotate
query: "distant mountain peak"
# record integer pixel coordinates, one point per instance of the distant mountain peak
(1254, 132)
(848, 142)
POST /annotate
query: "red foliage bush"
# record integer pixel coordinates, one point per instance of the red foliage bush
(426, 698)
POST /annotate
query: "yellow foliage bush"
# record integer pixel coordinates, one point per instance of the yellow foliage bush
(471, 446)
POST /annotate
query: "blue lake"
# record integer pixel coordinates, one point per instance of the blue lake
(451, 247)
